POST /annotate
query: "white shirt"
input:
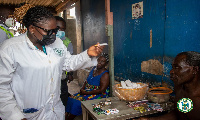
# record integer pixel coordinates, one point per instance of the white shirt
(31, 79)
(3, 34)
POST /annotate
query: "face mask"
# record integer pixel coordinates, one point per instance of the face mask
(47, 39)
(9, 22)
(60, 34)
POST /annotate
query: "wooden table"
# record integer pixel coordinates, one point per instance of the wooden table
(125, 112)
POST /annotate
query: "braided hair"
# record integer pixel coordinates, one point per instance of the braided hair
(105, 55)
(36, 15)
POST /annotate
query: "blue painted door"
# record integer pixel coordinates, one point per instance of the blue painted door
(132, 37)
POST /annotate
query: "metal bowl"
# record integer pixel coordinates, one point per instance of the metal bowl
(159, 94)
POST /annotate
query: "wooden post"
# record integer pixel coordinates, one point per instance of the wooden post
(109, 33)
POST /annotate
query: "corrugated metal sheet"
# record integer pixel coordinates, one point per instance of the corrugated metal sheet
(47, 3)
(57, 5)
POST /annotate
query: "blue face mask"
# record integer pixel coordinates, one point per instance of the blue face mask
(60, 34)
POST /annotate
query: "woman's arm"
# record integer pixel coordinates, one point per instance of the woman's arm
(9, 109)
(83, 87)
(83, 60)
(104, 83)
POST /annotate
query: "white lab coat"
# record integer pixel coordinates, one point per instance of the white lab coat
(31, 79)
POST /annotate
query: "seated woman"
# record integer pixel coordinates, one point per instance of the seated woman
(95, 87)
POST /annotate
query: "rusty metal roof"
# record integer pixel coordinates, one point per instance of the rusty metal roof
(57, 5)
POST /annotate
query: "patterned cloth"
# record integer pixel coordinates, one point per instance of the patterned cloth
(93, 83)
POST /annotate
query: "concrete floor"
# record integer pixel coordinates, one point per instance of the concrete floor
(73, 87)
(80, 117)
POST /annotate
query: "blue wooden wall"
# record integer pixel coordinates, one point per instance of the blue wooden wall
(182, 26)
(175, 25)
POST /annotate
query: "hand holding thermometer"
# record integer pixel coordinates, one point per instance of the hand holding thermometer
(96, 50)
(102, 44)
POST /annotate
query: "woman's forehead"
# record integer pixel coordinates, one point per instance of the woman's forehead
(180, 60)
(101, 57)
(61, 24)
(48, 24)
